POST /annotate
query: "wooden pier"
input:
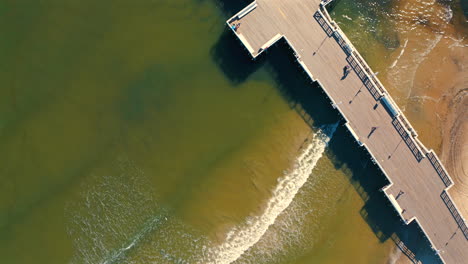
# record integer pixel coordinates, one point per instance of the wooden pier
(419, 183)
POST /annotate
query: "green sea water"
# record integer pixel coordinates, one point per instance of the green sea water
(141, 132)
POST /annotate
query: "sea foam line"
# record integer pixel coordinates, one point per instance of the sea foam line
(241, 238)
(399, 56)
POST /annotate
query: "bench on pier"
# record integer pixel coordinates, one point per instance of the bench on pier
(389, 107)
(247, 10)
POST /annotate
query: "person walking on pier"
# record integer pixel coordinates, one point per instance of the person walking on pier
(400, 193)
(372, 131)
(346, 70)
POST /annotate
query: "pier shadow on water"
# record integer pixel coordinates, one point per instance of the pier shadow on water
(293, 84)
(229, 8)
(233, 59)
(315, 108)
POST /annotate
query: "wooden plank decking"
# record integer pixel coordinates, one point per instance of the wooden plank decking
(419, 182)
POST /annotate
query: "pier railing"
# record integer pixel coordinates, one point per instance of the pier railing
(410, 142)
(372, 75)
(323, 23)
(401, 245)
(455, 213)
(360, 71)
(342, 42)
(439, 169)
(408, 126)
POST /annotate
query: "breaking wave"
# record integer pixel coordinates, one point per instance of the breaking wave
(241, 238)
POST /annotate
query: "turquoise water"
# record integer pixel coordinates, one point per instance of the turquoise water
(143, 133)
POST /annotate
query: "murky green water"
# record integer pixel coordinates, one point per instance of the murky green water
(141, 132)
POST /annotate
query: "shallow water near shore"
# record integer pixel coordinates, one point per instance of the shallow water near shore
(143, 133)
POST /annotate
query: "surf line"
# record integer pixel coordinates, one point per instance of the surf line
(241, 238)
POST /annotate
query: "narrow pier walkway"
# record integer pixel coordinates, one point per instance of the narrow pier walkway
(419, 182)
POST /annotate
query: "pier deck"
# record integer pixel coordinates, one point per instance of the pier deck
(419, 183)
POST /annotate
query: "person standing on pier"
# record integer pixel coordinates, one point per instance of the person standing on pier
(372, 131)
(346, 70)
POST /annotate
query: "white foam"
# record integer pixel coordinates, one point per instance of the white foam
(347, 17)
(241, 238)
(112, 216)
(403, 71)
(399, 56)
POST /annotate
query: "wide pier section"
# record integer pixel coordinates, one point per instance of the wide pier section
(419, 182)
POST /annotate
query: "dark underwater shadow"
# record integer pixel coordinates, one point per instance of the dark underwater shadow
(308, 99)
(232, 58)
(231, 7)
